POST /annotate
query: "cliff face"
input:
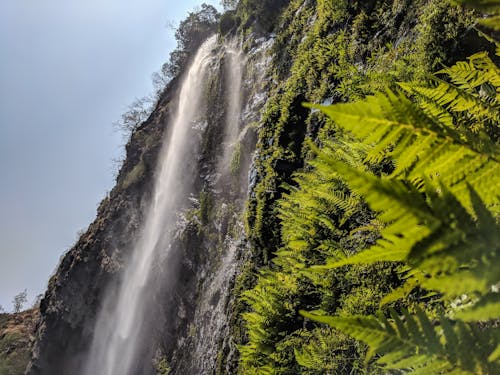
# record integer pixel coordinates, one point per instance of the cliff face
(69, 306)
(314, 51)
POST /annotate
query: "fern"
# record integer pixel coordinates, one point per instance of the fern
(414, 342)
(492, 7)
(484, 309)
(440, 208)
(425, 160)
(435, 235)
(473, 93)
(325, 351)
(422, 148)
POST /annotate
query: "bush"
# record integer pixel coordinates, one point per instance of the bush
(264, 13)
(228, 22)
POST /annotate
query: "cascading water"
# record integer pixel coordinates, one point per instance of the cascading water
(211, 321)
(234, 64)
(121, 328)
(208, 347)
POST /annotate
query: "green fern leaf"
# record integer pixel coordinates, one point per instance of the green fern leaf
(486, 308)
(417, 344)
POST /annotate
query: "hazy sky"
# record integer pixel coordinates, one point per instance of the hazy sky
(68, 69)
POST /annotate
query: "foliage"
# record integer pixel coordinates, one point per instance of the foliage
(439, 207)
(190, 33)
(337, 51)
(137, 112)
(229, 4)
(424, 346)
(417, 184)
(19, 301)
(261, 13)
(135, 175)
(162, 367)
(193, 30)
(15, 334)
(235, 164)
(492, 8)
(228, 22)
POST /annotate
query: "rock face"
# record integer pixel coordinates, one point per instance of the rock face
(284, 64)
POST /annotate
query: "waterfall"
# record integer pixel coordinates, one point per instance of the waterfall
(211, 321)
(234, 64)
(122, 324)
(209, 347)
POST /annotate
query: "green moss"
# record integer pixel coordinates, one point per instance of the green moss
(236, 160)
(134, 175)
(206, 206)
(162, 367)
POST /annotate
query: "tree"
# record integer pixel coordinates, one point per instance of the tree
(263, 12)
(191, 32)
(229, 4)
(137, 112)
(19, 300)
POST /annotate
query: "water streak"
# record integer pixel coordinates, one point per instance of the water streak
(120, 329)
(210, 343)
(211, 320)
(234, 64)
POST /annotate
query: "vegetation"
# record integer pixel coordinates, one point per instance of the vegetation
(390, 233)
(260, 14)
(15, 333)
(19, 301)
(438, 208)
(190, 33)
(368, 49)
(137, 112)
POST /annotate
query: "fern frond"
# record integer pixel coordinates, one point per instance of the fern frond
(462, 256)
(473, 96)
(495, 356)
(492, 22)
(401, 292)
(459, 99)
(471, 74)
(437, 236)
(488, 6)
(324, 351)
(414, 342)
(401, 207)
(421, 146)
(486, 308)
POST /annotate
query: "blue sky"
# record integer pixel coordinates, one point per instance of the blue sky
(68, 69)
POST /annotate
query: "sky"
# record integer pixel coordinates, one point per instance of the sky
(68, 70)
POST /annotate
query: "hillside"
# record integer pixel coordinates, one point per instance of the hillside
(16, 334)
